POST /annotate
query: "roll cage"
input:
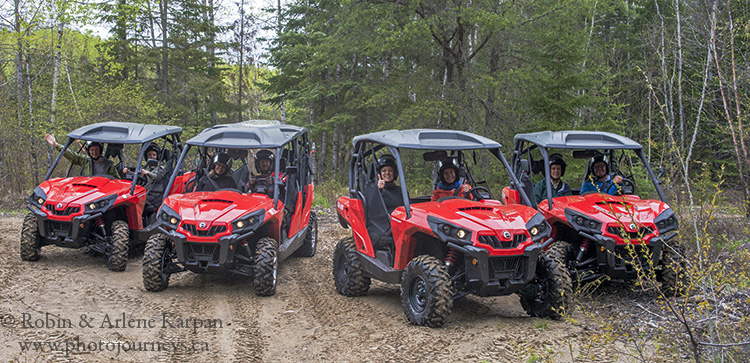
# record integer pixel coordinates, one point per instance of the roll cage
(456, 142)
(117, 134)
(585, 144)
(289, 143)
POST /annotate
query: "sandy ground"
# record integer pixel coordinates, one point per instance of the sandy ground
(67, 307)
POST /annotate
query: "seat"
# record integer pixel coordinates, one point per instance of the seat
(524, 176)
(377, 217)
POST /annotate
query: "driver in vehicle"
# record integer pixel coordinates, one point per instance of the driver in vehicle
(600, 180)
(387, 175)
(556, 172)
(449, 185)
(219, 177)
(152, 171)
(91, 164)
(263, 182)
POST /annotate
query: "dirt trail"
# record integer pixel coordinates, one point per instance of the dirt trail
(69, 298)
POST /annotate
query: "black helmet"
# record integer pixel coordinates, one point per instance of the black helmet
(263, 155)
(153, 147)
(557, 159)
(94, 143)
(599, 158)
(388, 160)
(221, 158)
(449, 163)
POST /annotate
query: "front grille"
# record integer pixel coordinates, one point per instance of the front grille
(193, 230)
(202, 251)
(637, 255)
(505, 268)
(59, 229)
(496, 243)
(621, 232)
(65, 212)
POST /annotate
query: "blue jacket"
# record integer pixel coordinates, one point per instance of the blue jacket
(598, 186)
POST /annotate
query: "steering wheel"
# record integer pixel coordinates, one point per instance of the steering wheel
(141, 180)
(479, 193)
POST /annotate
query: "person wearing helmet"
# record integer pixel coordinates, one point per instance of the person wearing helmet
(387, 175)
(449, 181)
(556, 172)
(219, 177)
(599, 178)
(263, 183)
(151, 170)
(93, 163)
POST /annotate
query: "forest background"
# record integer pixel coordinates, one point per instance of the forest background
(671, 74)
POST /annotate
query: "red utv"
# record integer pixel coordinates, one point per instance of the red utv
(106, 214)
(601, 234)
(247, 228)
(446, 249)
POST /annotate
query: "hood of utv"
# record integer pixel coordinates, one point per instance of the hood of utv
(79, 191)
(609, 208)
(216, 208)
(483, 218)
(611, 211)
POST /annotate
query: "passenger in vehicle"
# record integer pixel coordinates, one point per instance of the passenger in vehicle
(151, 171)
(93, 163)
(387, 175)
(449, 181)
(556, 171)
(599, 178)
(219, 177)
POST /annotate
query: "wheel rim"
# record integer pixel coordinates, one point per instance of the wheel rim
(418, 294)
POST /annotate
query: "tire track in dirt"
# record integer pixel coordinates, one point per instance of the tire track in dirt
(305, 321)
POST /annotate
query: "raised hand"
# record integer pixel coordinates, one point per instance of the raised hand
(50, 139)
(381, 182)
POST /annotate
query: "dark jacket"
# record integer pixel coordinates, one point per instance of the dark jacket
(87, 165)
(392, 196)
(540, 190)
(213, 182)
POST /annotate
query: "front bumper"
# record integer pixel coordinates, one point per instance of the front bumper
(619, 261)
(74, 233)
(216, 257)
(498, 275)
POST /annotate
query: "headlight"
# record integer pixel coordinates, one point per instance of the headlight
(666, 222)
(168, 216)
(449, 232)
(538, 227)
(38, 197)
(582, 222)
(248, 222)
(101, 204)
